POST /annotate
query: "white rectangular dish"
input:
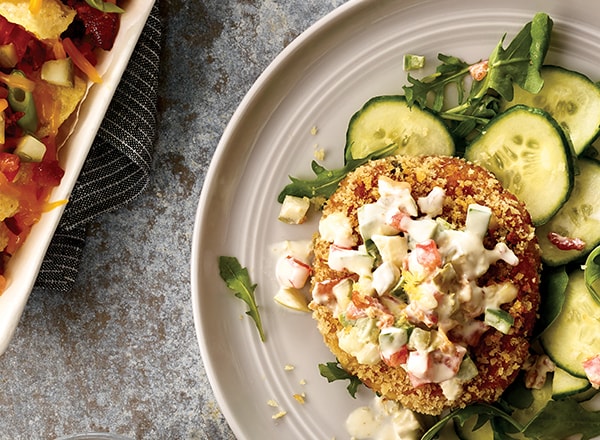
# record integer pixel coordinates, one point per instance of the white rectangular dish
(24, 266)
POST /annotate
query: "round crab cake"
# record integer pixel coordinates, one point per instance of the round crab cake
(425, 281)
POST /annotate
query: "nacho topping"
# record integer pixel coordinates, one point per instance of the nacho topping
(50, 22)
(47, 60)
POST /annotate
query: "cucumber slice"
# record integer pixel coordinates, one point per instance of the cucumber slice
(579, 217)
(530, 154)
(573, 337)
(571, 98)
(385, 120)
(565, 384)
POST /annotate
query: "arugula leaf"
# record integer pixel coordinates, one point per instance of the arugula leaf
(519, 64)
(104, 6)
(451, 71)
(332, 371)
(327, 181)
(237, 279)
(483, 412)
(592, 273)
(562, 418)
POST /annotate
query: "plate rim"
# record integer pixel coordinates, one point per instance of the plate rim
(252, 94)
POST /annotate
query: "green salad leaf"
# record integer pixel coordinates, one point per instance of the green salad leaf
(238, 280)
(492, 79)
(332, 371)
(562, 418)
(520, 63)
(326, 181)
(430, 91)
(104, 6)
(592, 273)
(483, 412)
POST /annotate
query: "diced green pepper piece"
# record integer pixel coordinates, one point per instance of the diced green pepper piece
(413, 62)
(500, 319)
(22, 101)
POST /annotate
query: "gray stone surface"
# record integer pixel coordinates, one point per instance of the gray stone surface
(119, 352)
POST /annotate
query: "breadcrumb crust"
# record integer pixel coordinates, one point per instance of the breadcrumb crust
(498, 357)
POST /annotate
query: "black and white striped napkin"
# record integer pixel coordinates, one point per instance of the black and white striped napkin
(118, 166)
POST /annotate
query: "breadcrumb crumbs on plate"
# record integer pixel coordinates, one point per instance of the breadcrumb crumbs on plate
(272, 403)
(314, 130)
(279, 415)
(319, 153)
(300, 398)
(288, 367)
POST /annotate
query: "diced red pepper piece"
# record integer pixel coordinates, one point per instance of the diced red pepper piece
(13, 225)
(592, 370)
(397, 358)
(100, 27)
(48, 173)
(566, 243)
(428, 254)
(9, 165)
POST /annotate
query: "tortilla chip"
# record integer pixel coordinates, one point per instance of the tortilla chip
(49, 23)
(8, 207)
(69, 98)
(4, 237)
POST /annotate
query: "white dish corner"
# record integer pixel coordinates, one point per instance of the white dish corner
(22, 269)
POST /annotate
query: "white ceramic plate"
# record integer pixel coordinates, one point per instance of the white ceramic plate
(320, 80)
(25, 264)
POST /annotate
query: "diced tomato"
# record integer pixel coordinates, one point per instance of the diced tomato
(397, 358)
(436, 366)
(353, 312)
(592, 370)
(479, 70)
(31, 52)
(34, 57)
(364, 305)
(9, 165)
(322, 292)
(100, 27)
(13, 225)
(12, 33)
(469, 333)
(428, 254)
(399, 221)
(292, 272)
(48, 173)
